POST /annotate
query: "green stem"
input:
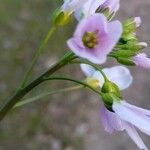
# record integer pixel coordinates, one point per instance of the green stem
(8, 104)
(33, 99)
(37, 54)
(75, 81)
(91, 64)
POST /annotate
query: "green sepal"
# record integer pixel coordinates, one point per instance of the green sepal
(125, 53)
(125, 61)
(110, 87)
(108, 99)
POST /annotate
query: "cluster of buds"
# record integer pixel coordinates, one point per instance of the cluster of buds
(128, 49)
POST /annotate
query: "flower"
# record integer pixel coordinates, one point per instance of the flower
(119, 75)
(141, 60)
(127, 117)
(69, 6)
(137, 21)
(111, 5)
(89, 8)
(94, 38)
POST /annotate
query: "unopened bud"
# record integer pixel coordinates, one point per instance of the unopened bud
(142, 45)
(61, 18)
(110, 87)
(125, 61)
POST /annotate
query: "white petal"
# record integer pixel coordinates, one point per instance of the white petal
(135, 136)
(97, 75)
(143, 111)
(131, 116)
(87, 70)
(144, 131)
(119, 75)
(72, 5)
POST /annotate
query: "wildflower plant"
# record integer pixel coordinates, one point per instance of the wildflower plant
(97, 37)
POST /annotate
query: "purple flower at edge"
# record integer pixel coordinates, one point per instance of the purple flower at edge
(127, 117)
(95, 37)
(142, 60)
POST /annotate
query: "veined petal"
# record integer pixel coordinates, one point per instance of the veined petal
(110, 121)
(131, 116)
(135, 136)
(105, 122)
(141, 110)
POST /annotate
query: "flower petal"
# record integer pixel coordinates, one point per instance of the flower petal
(110, 121)
(131, 116)
(105, 122)
(98, 76)
(119, 75)
(142, 60)
(135, 136)
(141, 110)
(79, 51)
(87, 69)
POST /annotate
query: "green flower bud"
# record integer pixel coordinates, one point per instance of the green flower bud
(125, 53)
(108, 99)
(125, 61)
(61, 18)
(110, 87)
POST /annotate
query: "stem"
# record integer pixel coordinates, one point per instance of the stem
(33, 99)
(7, 104)
(37, 54)
(75, 81)
(91, 64)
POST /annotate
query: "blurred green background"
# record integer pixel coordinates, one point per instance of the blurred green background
(68, 121)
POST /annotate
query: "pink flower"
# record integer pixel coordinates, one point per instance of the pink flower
(127, 117)
(142, 60)
(94, 38)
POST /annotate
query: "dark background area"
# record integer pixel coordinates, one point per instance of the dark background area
(68, 121)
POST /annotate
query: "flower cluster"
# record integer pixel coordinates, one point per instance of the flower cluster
(98, 37)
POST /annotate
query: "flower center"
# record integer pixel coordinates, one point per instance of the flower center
(89, 39)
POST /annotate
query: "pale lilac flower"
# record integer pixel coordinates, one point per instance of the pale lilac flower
(141, 60)
(127, 117)
(119, 75)
(94, 38)
(137, 21)
(111, 5)
(69, 6)
(89, 8)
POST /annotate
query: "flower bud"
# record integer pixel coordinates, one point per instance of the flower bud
(125, 53)
(108, 99)
(129, 27)
(110, 87)
(142, 45)
(125, 61)
(60, 18)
